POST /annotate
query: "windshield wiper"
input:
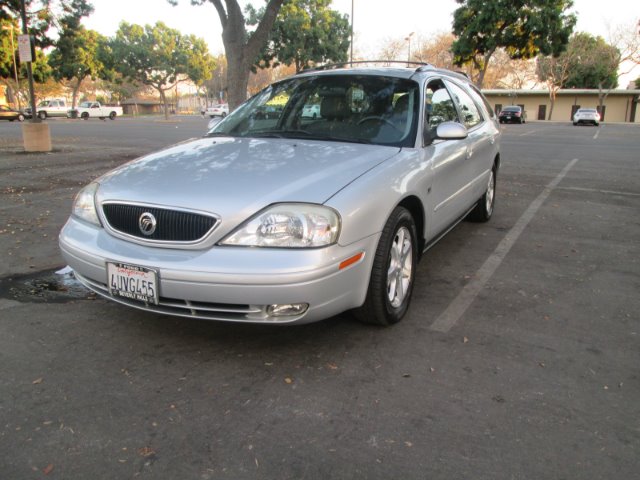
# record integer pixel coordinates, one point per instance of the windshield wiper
(305, 134)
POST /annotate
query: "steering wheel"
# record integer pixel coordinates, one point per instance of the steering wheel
(378, 118)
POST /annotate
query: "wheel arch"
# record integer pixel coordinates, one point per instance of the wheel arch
(414, 205)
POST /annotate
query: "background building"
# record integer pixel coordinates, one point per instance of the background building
(619, 105)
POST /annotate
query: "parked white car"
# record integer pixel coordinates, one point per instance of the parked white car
(586, 115)
(311, 111)
(88, 110)
(289, 219)
(220, 110)
(56, 107)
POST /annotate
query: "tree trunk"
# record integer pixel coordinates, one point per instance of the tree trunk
(76, 89)
(240, 47)
(552, 101)
(163, 97)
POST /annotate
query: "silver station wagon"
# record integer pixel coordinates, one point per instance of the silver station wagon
(292, 218)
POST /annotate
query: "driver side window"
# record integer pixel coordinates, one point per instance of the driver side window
(439, 108)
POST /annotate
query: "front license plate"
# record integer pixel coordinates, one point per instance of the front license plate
(133, 282)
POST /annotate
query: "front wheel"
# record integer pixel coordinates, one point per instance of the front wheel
(84, 116)
(484, 208)
(393, 272)
(21, 118)
(42, 115)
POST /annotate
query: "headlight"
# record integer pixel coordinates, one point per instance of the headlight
(295, 225)
(84, 205)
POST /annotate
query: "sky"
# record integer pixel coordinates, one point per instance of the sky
(375, 21)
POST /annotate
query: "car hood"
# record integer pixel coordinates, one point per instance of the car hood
(234, 178)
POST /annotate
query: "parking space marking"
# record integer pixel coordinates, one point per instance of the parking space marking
(605, 192)
(459, 306)
(530, 132)
(595, 137)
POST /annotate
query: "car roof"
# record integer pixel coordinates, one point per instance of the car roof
(406, 72)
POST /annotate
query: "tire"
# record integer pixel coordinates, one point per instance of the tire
(575, 124)
(112, 116)
(393, 272)
(20, 118)
(42, 115)
(484, 208)
(224, 114)
(84, 116)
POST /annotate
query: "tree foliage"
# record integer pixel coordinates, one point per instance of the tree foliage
(594, 63)
(44, 14)
(305, 32)
(77, 56)
(159, 56)
(240, 45)
(588, 62)
(524, 28)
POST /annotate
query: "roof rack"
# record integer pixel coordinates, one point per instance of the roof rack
(421, 65)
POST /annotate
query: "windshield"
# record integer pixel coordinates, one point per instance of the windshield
(85, 105)
(348, 108)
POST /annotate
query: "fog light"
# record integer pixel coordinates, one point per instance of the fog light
(287, 309)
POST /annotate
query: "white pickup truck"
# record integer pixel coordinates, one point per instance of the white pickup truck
(88, 110)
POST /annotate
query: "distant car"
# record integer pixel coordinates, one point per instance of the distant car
(512, 114)
(56, 107)
(586, 115)
(220, 110)
(289, 219)
(10, 114)
(311, 111)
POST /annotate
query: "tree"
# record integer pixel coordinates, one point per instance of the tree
(436, 51)
(41, 15)
(305, 32)
(594, 63)
(76, 56)
(241, 47)
(524, 28)
(160, 57)
(556, 71)
(588, 62)
(216, 86)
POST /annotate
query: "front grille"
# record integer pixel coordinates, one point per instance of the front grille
(171, 225)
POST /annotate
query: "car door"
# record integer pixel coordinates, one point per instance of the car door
(447, 159)
(480, 145)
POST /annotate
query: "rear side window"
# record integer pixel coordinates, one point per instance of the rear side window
(468, 109)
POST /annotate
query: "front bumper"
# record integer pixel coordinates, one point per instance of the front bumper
(227, 283)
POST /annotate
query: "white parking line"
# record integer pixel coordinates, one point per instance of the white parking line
(596, 135)
(459, 306)
(530, 132)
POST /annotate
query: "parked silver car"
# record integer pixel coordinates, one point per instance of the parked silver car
(289, 218)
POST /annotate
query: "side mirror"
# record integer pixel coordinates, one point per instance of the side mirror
(451, 131)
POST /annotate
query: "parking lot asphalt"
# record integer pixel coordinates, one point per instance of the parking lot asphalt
(518, 359)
